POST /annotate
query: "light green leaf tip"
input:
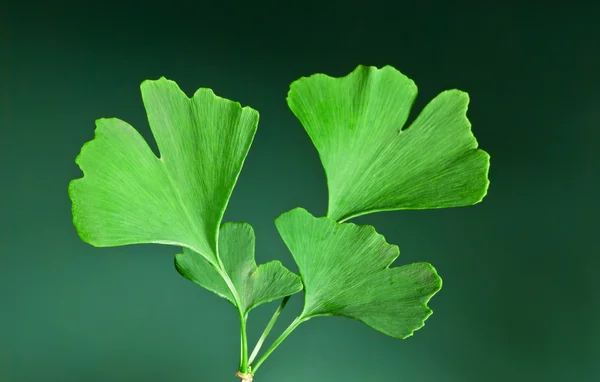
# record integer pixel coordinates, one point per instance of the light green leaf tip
(128, 196)
(345, 271)
(255, 285)
(371, 163)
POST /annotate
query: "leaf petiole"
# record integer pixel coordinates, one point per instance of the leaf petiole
(300, 319)
(243, 343)
(242, 315)
(267, 330)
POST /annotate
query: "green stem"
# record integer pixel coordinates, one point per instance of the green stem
(278, 341)
(267, 330)
(243, 343)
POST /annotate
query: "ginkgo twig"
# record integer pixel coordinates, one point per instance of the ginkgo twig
(267, 330)
(373, 162)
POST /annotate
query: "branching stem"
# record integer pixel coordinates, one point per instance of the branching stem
(267, 330)
(300, 319)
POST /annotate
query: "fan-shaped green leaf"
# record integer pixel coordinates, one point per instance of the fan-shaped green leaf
(371, 164)
(129, 196)
(254, 285)
(345, 271)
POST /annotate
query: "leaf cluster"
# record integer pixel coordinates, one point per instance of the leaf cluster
(373, 162)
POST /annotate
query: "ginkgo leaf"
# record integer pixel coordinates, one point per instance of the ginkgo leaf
(127, 195)
(345, 271)
(255, 285)
(371, 163)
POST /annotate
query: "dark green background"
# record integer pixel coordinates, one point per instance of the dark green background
(520, 299)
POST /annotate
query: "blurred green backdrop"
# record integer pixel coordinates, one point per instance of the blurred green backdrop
(519, 301)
